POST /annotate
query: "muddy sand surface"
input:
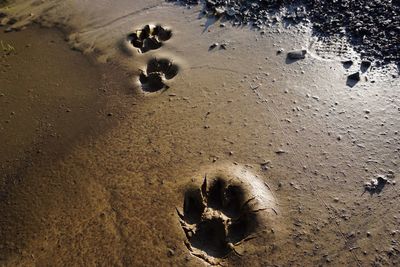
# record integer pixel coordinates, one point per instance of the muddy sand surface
(149, 135)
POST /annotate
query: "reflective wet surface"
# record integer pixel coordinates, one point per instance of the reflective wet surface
(106, 190)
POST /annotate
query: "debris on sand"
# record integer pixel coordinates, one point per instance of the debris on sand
(347, 64)
(280, 151)
(265, 166)
(353, 79)
(223, 46)
(214, 45)
(365, 64)
(377, 184)
(355, 76)
(297, 54)
(371, 26)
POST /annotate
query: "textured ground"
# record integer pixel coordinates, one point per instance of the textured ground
(373, 27)
(106, 146)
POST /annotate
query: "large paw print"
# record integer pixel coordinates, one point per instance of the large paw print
(150, 37)
(157, 72)
(216, 219)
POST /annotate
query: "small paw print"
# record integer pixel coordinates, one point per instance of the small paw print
(157, 72)
(150, 37)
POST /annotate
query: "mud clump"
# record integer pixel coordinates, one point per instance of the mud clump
(376, 185)
(157, 72)
(372, 27)
(150, 37)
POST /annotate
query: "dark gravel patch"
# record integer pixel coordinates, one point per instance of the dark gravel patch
(371, 26)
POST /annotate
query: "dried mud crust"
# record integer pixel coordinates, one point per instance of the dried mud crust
(157, 72)
(150, 37)
(219, 216)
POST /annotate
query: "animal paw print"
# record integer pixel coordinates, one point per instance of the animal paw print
(157, 72)
(216, 219)
(150, 37)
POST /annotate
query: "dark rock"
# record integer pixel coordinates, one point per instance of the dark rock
(353, 79)
(297, 54)
(377, 184)
(365, 64)
(347, 64)
(355, 76)
(214, 45)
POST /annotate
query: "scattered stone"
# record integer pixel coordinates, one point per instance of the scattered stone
(170, 252)
(347, 64)
(355, 76)
(371, 27)
(377, 184)
(353, 79)
(365, 64)
(297, 54)
(219, 11)
(265, 165)
(214, 45)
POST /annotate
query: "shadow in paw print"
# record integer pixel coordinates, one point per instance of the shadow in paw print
(216, 218)
(150, 37)
(211, 238)
(157, 72)
(193, 205)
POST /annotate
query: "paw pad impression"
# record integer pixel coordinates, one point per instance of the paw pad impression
(150, 37)
(157, 72)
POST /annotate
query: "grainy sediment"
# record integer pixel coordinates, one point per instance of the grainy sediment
(372, 27)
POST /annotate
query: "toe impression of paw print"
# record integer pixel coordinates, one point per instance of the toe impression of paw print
(217, 218)
(150, 37)
(157, 72)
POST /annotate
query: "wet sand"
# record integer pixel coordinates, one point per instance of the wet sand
(105, 189)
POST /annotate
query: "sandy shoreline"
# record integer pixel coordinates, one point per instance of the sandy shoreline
(109, 197)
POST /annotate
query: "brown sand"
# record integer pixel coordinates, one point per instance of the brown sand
(103, 190)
